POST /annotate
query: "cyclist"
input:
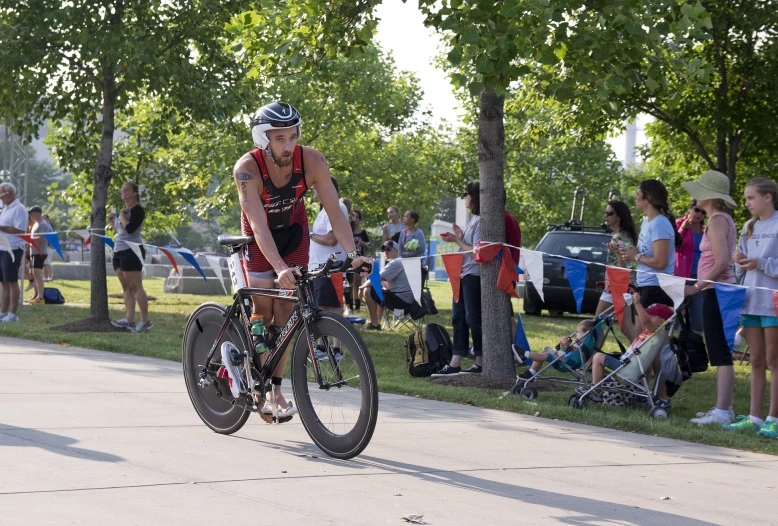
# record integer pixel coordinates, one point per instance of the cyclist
(271, 181)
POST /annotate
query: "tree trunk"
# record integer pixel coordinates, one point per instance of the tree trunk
(495, 304)
(102, 178)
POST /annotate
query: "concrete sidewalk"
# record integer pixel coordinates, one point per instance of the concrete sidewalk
(90, 437)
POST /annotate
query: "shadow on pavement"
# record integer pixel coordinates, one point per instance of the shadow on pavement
(11, 436)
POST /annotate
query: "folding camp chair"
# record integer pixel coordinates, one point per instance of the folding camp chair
(413, 318)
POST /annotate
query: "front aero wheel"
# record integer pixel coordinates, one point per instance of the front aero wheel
(218, 412)
(341, 419)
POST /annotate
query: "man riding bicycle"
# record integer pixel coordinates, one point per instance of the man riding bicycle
(271, 181)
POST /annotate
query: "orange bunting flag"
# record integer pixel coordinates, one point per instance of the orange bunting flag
(485, 252)
(169, 256)
(337, 282)
(453, 264)
(30, 240)
(618, 279)
(508, 275)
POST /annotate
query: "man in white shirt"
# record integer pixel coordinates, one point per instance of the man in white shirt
(13, 220)
(323, 244)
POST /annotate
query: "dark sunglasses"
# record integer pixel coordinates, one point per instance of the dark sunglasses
(386, 249)
(611, 213)
(284, 124)
(699, 211)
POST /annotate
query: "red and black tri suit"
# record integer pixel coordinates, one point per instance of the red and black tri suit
(286, 217)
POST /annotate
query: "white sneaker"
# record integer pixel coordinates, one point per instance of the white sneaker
(233, 371)
(3, 315)
(713, 418)
(702, 414)
(9, 318)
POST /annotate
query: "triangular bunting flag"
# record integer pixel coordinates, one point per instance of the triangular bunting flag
(171, 258)
(53, 239)
(375, 281)
(30, 240)
(7, 245)
(215, 263)
(618, 281)
(576, 276)
(520, 339)
(730, 298)
(105, 239)
(453, 264)
(192, 261)
(135, 247)
(673, 287)
(508, 276)
(485, 252)
(412, 268)
(534, 267)
(337, 282)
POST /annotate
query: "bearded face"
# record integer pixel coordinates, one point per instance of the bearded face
(282, 144)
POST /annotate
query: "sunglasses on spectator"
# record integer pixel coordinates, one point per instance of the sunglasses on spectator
(699, 210)
(3, 194)
(611, 213)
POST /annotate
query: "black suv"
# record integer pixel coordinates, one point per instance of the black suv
(569, 240)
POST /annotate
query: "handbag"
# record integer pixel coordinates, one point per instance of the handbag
(689, 346)
(427, 302)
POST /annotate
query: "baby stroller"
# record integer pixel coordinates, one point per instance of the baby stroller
(630, 376)
(572, 362)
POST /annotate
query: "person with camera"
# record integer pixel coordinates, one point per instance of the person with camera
(129, 269)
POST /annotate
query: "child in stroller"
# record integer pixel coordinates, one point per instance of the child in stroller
(566, 345)
(652, 319)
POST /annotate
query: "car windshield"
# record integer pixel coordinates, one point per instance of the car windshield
(586, 247)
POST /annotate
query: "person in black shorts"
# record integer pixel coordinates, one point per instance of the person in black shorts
(362, 242)
(39, 254)
(128, 267)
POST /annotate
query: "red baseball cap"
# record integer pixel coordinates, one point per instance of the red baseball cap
(661, 310)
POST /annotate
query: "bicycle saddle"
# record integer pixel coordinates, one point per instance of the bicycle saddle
(228, 240)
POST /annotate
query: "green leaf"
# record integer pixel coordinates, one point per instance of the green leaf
(652, 84)
(475, 88)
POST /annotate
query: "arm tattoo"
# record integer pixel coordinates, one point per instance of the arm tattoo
(243, 176)
(244, 191)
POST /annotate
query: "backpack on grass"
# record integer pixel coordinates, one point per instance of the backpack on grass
(52, 296)
(428, 350)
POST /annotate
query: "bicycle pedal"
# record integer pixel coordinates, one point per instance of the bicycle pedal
(236, 356)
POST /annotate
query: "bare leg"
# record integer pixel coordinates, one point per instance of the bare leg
(37, 275)
(135, 282)
(129, 297)
(6, 298)
(602, 306)
(725, 384)
(771, 338)
(372, 308)
(598, 367)
(755, 336)
(13, 296)
(48, 271)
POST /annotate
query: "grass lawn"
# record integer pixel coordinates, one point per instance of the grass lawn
(169, 313)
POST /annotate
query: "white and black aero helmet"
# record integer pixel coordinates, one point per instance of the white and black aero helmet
(276, 115)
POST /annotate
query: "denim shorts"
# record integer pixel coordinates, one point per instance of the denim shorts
(752, 320)
(612, 362)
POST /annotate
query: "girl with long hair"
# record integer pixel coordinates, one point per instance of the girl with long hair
(711, 190)
(756, 263)
(619, 219)
(655, 251)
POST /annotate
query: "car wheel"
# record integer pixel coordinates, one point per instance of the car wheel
(531, 306)
(556, 313)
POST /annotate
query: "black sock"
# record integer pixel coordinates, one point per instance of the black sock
(359, 304)
(336, 350)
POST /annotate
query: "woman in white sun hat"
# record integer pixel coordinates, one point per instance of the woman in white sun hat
(711, 190)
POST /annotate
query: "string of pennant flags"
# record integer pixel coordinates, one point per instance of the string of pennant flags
(730, 296)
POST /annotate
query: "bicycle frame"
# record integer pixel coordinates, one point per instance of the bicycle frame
(302, 316)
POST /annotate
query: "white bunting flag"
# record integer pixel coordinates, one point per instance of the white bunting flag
(136, 249)
(215, 262)
(673, 287)
(7, 245)
(534, 262)
(83, 234)
(412, 268)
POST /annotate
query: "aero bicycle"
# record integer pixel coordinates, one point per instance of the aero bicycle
(335, 394)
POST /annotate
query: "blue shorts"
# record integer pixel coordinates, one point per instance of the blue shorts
(752, 320)
(9, 270)
(611, 362)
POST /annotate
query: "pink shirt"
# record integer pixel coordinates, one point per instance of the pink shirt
(707, 261)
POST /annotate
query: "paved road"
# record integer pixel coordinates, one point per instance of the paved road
(89, 437)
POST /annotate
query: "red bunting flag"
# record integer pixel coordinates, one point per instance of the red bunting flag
(775, 300)
(508, 275)
(453, 264)
(485, 252)
(87, 242)
(337, 282)
(618, 280)
(164, 251)
(28, 238)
